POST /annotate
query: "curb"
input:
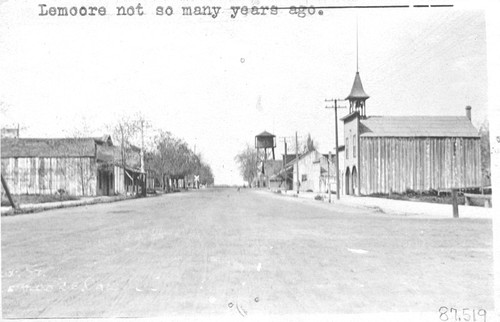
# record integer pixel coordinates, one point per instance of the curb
(409, 211)
(34, 208)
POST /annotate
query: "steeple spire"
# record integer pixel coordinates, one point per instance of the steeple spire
(357, 98)
(357, 47)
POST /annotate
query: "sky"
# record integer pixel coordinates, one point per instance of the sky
(217, 83)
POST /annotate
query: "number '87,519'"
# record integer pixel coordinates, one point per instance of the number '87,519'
(467, 315)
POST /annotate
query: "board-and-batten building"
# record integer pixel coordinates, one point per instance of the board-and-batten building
(386, 154)
(77, 166)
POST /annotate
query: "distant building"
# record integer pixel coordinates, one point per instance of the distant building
(386, 154)
(270, 177)
(77, 166)
(12, 133)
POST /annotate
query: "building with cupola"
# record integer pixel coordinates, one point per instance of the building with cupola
(385, 154)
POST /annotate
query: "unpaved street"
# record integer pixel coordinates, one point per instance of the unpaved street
(239, 253)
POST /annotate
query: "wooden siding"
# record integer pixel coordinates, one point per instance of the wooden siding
(119, 180)
(419, 164)
(123, 184)
(48, 175)
(310, 166)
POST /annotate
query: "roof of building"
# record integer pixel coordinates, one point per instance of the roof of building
(31, 147)
(104, 139)
(273, 166)
(132, 157)
(341, 148)
(98, 148)
(357, 91)
(417, 126)
(349, 116)
(265, 133)
(289, 158)
(302, 156)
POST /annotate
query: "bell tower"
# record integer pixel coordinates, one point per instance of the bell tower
(357, 98)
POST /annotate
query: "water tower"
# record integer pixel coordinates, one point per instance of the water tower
(265, 140)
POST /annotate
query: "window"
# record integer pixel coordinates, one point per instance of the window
(347, 148)
(304, 177)
(354, 146)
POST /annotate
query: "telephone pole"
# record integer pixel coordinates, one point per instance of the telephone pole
(284, 165)
(329, 189)
(297, 159)
(337, 179)
(286, 139)
(143, 168)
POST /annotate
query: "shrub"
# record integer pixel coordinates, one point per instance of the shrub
(318, 197)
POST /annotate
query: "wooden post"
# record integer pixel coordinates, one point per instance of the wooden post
(7, 192)
(454, 202)
(329, 190)
(144, 184)
(337, 188)
(266, 178)
(335, 107)
(284, 167)
(297, 159)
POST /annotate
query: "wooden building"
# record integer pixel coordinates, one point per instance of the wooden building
(128, 178)
(386, 154)
(76, 166)
(311, 168)
(316, 174)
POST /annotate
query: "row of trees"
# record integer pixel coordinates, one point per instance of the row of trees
(171, 158)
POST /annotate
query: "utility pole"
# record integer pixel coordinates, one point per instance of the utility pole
(337, 179)
(142, 145)
(329, 189)
(297, 159)
(143, 170)
(284, 166)
(286, 139)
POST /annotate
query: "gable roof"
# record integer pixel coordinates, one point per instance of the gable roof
(417, 126)
(265, 133)
(66, 147)
(288, 158)
(302, 156)
(104, 139)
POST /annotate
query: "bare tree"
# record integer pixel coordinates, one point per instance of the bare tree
(248, 160)
(161, 157)
(126, 132)
(310, 145)
(76, 147)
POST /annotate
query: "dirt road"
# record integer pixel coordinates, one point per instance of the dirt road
(239, 253)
